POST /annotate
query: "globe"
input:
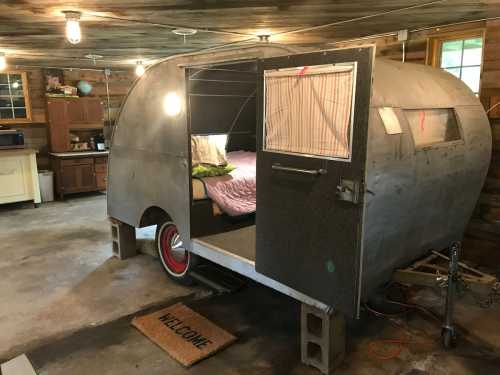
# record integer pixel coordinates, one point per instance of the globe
(84, 88)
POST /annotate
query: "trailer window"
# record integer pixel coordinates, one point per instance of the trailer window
(308, 110)
(431, 126)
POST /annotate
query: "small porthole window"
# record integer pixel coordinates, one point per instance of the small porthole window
(433, 126)
(390, 120)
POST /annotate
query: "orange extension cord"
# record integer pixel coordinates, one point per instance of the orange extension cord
(387, 349)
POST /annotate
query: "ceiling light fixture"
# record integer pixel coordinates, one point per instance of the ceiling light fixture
(73, 31)
(93, 57)
(139, 69)
(3, 61)
(264, 37)
(184, 32)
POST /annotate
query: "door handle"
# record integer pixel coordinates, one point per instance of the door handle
(348, 190)
(312, 172)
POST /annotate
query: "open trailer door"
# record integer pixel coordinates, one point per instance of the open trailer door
(312, 134)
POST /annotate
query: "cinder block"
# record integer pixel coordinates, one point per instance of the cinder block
(322, 338)
(123, 240)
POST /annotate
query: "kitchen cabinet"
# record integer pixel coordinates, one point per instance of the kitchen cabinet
(57, 113)
(19, 176)
(77, 172)
(101, 172)
(70, 114)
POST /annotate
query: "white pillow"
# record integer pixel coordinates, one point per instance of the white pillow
(209, 149)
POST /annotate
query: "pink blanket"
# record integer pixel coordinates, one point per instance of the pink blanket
(235, 193)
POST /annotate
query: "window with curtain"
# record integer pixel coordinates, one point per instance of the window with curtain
(308, 110)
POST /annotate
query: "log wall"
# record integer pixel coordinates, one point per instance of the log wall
(36, 131)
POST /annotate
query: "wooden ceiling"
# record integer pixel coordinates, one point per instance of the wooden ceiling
(123, 31)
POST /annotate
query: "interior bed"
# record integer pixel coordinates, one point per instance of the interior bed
(234, 193)
(221, 101)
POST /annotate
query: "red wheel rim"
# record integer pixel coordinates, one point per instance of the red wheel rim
(175, 264)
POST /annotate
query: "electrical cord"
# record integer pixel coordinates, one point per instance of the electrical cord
(387, 349)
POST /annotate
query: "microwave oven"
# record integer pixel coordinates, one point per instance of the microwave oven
(11, 138)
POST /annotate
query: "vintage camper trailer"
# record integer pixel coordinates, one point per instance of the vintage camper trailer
(347, 166)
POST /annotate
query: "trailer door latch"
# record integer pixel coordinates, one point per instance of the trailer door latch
(348, 190)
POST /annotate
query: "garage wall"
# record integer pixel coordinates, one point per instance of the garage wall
(36, 131)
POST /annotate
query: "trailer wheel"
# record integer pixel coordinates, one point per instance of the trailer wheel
(175, 259)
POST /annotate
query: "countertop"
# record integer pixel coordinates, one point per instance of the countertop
(18, 151)
(79, 153)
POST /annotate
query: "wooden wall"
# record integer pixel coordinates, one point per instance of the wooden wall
(485, 227)
(36, 132)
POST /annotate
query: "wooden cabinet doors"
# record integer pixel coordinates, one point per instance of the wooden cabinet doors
(101, 166)
(77, 175)
(85, 113)
(76, 112)
(57, 112)
(94, 111)
(78, 178)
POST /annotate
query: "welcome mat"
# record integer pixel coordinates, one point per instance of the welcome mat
(184, 334)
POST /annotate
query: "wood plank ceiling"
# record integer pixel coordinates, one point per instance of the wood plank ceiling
(32, 31)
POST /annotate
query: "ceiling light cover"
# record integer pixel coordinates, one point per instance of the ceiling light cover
(73, 31)
(139, 69)
(184, 31)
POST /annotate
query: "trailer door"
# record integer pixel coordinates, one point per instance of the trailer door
(312, 139)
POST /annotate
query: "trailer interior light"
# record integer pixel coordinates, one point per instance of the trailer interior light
(172, 104)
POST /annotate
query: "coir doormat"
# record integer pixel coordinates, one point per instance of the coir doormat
(184, 334)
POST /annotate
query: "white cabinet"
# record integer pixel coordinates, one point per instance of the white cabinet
(18, 176)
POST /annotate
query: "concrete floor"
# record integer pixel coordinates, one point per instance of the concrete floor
(67, 303)
(58, 274)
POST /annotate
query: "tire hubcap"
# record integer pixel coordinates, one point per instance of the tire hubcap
(174, 255)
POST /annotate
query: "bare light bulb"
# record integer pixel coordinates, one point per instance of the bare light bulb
(172, 104)
(15, 85)
(3, 62)
(73, 31)
(139, 69)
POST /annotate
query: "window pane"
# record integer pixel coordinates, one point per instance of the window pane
(17, 93)
(454, 71)
(20, 112)
(18, 102)
(431, 126)
(5, 102)
(472, 51)
(4, 90)
(14, 78)
(471, 76)
(6, 113)
(3, 79)
(451, 53)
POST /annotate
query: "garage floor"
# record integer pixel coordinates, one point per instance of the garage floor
(68, 304)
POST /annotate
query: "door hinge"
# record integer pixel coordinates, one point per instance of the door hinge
(348, 190)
